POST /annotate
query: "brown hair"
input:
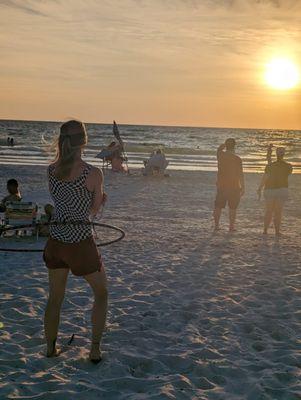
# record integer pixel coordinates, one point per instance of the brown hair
(280, 152)
(12, 186)
(73, 136)
(230, 144)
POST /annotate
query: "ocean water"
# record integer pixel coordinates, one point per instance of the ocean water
(186, 148)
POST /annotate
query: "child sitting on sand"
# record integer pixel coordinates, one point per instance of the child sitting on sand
(14, 194)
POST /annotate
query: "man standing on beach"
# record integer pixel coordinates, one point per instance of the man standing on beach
(230, 182)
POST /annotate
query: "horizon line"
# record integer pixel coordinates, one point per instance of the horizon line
(156, 125)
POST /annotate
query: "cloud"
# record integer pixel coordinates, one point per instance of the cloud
(203, 47)
(286, 4)
(23, 5)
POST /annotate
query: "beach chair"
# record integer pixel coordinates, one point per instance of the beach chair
(21, 213)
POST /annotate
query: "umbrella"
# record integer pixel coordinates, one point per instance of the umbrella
(116, 133)
(118, 137)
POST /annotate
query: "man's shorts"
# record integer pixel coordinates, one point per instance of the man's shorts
(81, 257)
(227, 196)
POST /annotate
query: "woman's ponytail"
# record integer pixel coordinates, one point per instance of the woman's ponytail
(72, 137)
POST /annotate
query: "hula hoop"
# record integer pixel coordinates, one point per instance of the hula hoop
(37, 225)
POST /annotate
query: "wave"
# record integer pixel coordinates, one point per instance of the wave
(185, 148)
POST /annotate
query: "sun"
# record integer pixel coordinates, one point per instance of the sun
(282, 74)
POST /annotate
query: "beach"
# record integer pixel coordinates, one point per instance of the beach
(192, 314)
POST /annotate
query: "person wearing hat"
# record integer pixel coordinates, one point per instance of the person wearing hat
(230, 182)
(275, 185)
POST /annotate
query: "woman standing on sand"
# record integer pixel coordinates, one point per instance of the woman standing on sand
(275, 184)
(77, 191)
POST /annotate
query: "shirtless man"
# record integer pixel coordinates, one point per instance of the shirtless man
(230, 182)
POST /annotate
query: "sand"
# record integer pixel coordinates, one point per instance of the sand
(192, 315)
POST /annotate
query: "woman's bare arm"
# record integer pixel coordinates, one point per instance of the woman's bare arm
(262, 184)
(269, 153)
(94, 184)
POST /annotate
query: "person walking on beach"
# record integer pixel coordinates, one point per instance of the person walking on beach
(230, 182)
(77, 192)
(275, 185)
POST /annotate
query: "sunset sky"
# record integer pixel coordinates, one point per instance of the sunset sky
(171, 62)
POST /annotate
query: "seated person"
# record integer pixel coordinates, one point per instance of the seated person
(116, 157)
(48, 208)
(14, 194)
(157, 163)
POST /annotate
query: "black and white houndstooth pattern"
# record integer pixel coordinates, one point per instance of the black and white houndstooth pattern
(72, 202)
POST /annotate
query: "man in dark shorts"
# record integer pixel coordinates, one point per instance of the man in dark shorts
(230, 182)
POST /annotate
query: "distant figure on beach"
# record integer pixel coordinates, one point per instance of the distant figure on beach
(230, 182)
(8, 141)
(12, 142)
(77, 192)
(14, 194)
(156, 164)
(275, 185)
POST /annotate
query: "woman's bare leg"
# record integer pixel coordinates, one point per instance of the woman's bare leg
(278, 216)
(217, 215)
(269, 210)
(232, 219)
(98, 282)
(57, 285)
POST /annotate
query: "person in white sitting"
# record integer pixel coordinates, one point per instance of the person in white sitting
(156, 163)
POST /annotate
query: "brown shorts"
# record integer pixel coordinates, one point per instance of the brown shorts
(227, 196)
(81, 257)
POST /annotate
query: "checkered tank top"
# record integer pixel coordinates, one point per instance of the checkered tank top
(72, 203)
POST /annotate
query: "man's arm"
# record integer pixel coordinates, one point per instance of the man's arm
(269, 153)
(262, 184)
(220, 150)
(242, 180)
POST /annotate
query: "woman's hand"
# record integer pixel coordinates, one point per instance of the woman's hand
(259, 192)
(104, 198)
